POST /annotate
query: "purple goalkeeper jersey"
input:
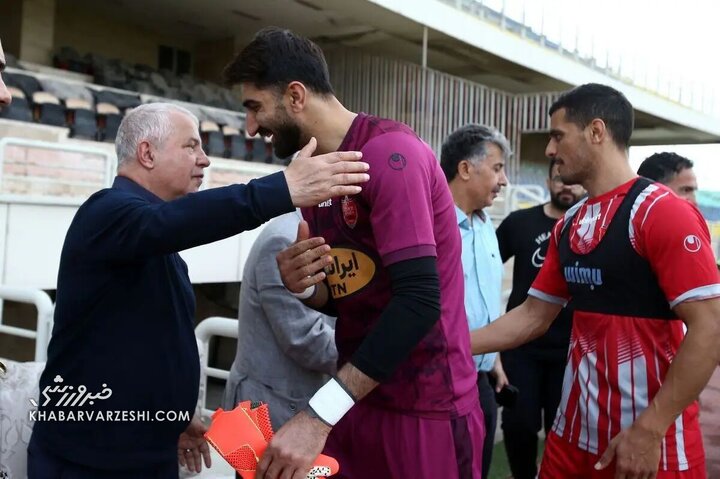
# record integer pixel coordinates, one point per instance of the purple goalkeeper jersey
(405, 211)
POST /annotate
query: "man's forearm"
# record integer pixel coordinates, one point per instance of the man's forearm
(332, 401)
(516, 327)
(359, 383)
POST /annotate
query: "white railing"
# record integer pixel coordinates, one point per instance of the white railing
(204, 332)
(45, 309)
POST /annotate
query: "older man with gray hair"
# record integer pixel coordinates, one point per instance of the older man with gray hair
(123, 348)
(473, 160)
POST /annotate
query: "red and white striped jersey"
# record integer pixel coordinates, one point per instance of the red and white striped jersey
(620, 352)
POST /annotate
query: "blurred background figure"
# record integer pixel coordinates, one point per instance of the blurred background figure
(285, 350)
(535, 368)
(672, 170)
(473, 159)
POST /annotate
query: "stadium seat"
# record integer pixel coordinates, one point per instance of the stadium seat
(144, 88)
(64, 90)
(81, 119)
(234, 143)
(110, 74)
(28, 84)
(109, 118)
(19, 109)
(69, 59)
(47, 109)
(269, 152)
(121, 100)
(230, 100)
(255, 147)
(12, 61)
(212, 138)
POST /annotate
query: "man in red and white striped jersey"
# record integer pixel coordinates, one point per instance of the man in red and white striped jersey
(636, 263)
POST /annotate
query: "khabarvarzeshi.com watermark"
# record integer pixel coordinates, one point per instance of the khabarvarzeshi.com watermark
(70, 397)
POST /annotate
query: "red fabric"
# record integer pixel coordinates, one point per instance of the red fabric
(616, 363)
(562, 460)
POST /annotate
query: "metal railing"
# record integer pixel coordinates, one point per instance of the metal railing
(45, 309)
(531, 22)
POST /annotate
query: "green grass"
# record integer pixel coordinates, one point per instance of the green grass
(499, 468)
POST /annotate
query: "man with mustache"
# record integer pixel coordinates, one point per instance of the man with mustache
(535, 368)
(404, 402)
(473, 160)
(635, 262)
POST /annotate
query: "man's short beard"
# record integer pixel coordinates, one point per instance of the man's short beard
(555, 200)
(286, 139)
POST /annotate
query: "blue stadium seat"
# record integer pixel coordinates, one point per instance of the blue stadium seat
(81, 119)
(48, 110)
(212, 138)
(109, 119)
(28, 84)
(234, 143)
(19, 109)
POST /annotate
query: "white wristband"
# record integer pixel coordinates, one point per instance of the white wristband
(331, 402)
(309, 291)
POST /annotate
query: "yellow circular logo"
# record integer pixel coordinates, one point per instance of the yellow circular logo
(350, 271)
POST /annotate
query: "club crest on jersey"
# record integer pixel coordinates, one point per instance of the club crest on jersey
(349, 211)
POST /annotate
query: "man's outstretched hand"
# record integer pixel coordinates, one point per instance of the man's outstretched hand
(314, 179)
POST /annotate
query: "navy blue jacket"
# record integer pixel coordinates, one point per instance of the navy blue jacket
(125, 313)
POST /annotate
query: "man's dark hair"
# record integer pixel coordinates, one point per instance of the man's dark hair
(470, 142)
(585, 103)
(662, 167)
(275, 58)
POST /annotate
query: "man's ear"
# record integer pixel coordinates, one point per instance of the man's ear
(298, 95)
(598, 131)
(463, 170)
(145, 155)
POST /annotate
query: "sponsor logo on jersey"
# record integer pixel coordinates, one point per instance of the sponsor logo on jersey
(397, 161)
(592, 219)
(692, 243)
(350, 271)
(581, 275)
(325, 204)
(349, 211)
